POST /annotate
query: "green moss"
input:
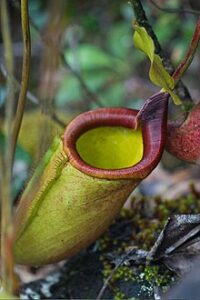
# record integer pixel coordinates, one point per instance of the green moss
(157, 275)
(125, 273)
(140, 227)
(119, 295)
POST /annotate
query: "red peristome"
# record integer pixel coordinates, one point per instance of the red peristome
(183, 141)
(153, 122)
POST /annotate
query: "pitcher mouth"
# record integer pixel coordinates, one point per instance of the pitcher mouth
(153, 134)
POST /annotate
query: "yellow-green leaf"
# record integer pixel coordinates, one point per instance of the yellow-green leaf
(157, 73)
(175, 98)
(143, 41)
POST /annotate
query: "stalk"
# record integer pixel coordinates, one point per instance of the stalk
(143, 21)
(7, 269)
(9, 282)
(178, 73)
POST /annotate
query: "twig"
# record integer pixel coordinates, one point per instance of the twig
(143, 21)
(55, 118)
(102, 290)
(25, 73)
(89, 94)
(175, 10)
(16, 84)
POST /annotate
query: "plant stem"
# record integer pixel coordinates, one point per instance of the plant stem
(8, 278)
(180, 69)
(25, 73)
(183, 66)
(143, 21)
(7, 268)
(8, 54)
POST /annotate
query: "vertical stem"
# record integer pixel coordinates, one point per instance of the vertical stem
(25, 74)
(8, 277)
(142, 20)
(7, 269)
(9, 105)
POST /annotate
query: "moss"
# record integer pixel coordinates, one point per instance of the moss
(124, 273)
(119, 295)
(157, 275)
(139, 227)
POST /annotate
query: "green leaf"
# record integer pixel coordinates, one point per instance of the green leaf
(175, 98)
(143, 41)
(157, 73)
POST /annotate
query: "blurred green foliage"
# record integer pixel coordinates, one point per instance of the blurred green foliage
(97, 44)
